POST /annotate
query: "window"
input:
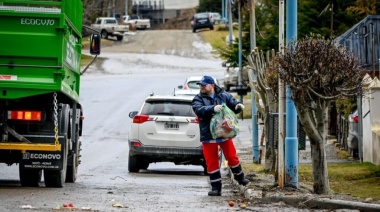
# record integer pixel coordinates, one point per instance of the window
(171, 108)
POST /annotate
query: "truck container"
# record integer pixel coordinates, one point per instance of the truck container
(41, 119)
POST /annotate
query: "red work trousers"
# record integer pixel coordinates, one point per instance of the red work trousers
(211, 154)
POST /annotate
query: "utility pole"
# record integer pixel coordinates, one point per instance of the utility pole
(291, 140)
(255, 128)
(281, 101)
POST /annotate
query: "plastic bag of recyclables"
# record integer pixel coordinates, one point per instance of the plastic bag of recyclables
(224, 124)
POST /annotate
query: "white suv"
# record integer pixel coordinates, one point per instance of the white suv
(165, 129)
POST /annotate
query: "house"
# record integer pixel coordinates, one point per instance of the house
(159, 11)
(363, 40)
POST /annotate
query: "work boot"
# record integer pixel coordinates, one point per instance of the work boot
(215, 193)
(216, 183)
(243, 182)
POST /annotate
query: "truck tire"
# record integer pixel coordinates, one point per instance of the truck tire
(133, 164)
(72, 169)
(30, 177)
(120, 38)
(56, 178)
(74, 153)
(104, 34)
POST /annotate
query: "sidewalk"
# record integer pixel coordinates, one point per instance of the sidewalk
(301, 197)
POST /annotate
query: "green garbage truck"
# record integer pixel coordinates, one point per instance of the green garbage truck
(41, 118)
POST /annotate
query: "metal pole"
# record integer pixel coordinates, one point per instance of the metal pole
(291, 140)
(240, 50)
(360, 127)
(281, 101)
(373, 50)
(230, 23)
(255, 128)
(126, 7)
(223, 5)
(113, 8)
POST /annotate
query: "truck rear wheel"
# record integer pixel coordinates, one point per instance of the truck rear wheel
(56, 178)
(30, 177)
(120, 38)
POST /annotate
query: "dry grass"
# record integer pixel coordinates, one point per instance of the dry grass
(216, 37)
(360, 180)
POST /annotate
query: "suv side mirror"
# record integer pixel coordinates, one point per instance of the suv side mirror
(95, 44)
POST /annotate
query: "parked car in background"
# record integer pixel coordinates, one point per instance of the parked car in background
(231, 76)
(137, 22)
(191, 83)
(215, 17)
(108, 26)
(186, 92)
(165, 129)
(201, 21)
(352, 139)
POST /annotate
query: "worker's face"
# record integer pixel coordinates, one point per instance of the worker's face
(208, 89)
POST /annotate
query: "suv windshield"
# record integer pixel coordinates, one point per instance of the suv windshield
(171, 108)
(193, 84)
(201, 15)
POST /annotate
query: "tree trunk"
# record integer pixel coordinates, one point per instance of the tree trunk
(318, 153)
(320, 175)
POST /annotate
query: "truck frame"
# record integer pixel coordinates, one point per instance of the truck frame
(41, 119)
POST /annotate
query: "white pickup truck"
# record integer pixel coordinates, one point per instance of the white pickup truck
(137, 22)
(108, 26)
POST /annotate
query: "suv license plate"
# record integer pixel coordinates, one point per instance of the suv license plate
(171, 126)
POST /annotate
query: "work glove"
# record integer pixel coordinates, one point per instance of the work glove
(218, 108)
(239, 107)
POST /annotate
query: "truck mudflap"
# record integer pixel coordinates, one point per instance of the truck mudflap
(42, 160)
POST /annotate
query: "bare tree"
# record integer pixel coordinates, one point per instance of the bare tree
(263, 67)
(318, 71)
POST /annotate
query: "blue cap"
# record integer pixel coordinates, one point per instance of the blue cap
(206, 80)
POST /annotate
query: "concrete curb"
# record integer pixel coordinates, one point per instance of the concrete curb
(304, 202)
